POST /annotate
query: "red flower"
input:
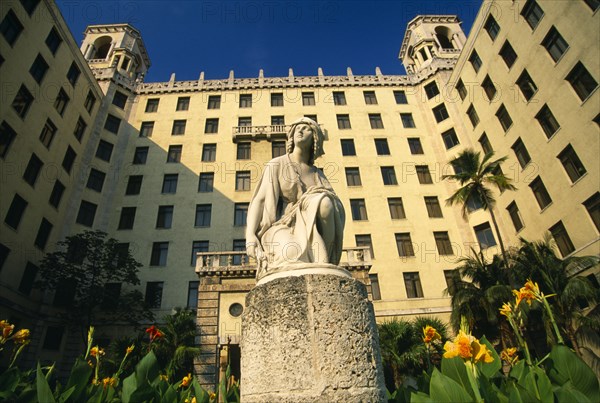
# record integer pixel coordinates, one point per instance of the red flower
(154, 333)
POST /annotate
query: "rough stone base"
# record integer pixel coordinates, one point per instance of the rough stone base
(311, 338)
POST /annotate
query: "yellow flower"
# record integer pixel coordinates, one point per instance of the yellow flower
(96, 352)
(90, 363)
(481, 352)
(467, 347)
(106, 382)
(506, 310)
(430, 334)
(186, 380)
(510, 355)
(130, 349)
(212, 396)
(164, 378)
(95, 381)
(6, 328)
(21, 337)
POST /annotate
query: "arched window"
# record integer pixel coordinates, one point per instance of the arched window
(444, 37)
(102, 46)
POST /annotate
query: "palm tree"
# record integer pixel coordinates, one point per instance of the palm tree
(474, 176)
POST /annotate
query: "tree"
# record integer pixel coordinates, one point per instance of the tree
(474, 176)
(87, 272)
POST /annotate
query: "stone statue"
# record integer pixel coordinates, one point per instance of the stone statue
(295, 219)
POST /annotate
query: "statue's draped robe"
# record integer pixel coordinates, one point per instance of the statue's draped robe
(293, 240)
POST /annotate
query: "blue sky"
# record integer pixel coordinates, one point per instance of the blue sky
(189, 36)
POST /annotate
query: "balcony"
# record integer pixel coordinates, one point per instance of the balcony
(259, 132)
(238, 264)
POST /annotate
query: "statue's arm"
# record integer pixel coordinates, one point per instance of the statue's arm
(255, 214)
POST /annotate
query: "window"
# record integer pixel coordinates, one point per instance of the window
(343, 121)
(127, 218)
(134, 185)
(442, 241)
(407, 120)
(353, 177)
(348, 147)
(73, 75)
(431, 90)
(473, 117)
(278, 148)
(90, 101)
(38, 69)
(404, 244)
(4, 252)
(375, 291)
(370, 98)
(423, 174)
(396, 207)
(277, 99)
(521, 153)
(244, 151)
(152, 105)
(382, 147)
(47, 134)
(80, 127)
(15, 211)
(532, 13)
(170, 183)
(562, 239)
(582, 81)
(413, 285)
(239, 245)
(164, 219)
(526, 84)
(414, 144)
(450, 139)
(245, 121)
(11, 27)
(205, 182)
(240, 214)
(246, 101)
(339, 98)
(277, 120)
(28, 279)
(365, 240)
(104, 150)
(547, 121)
(555, 44)
(140, 156)
(178, 127)
(209, 152)
(492, 27)
(96, 180)
(153, 298)
(571, 163)
(86, 214)
(214, 102)
(449, 276)
(174, 154)
(389, 176)
(61, 101)
(242, 181)
(160, 250)
(193, 294)
(308, 98)
(475, 61)
(592, 205)
(53, 40)
(462, 90)
(32, 170)
(146, 129)
(211, 125)
(484, 235)
(112, 123)
(359, 209)
(57, 193)
(198, 247)
(30, 5)
(53, 338)
(592, 4)
(313, 117)
(7, 136)
(183, 104)
(508, 54)
(485, 144)
(515, 216)
(504, 118)
(433, 207)
(540, 192)
(375, 120)
(489, 88)
(22, 101)
(400, 97)
(119, 100)
(440, 113)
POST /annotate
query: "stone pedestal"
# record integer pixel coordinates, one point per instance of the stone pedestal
(310, 338)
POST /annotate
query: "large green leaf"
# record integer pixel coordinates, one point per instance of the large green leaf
(44, 393)
(538, 384)
(519, 394)
(129, 386)
(490, 392)
(568, 393)
(79, 378)
(66, 395)
(519, 371)
(147, 369)
(445, 389)
(456, 369)
(491, 368)
(565, 364)
(199, 392)
(9, 381)
(420, 397)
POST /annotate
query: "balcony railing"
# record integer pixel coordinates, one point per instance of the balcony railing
(238, 264)
(259, 132)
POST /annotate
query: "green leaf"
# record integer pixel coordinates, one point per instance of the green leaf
(519, 371)
(64, 396)
(223, 391)
(568, 393)
(538, 384)
(420, 397)
(519, 394)
(456, 369)
(79, 378)
(490, 392)
(146, 369)
(445, 389)
(491, 368)
(44, 393)
(129, 386)
(9, 381)
(566, 364)
(201, 394)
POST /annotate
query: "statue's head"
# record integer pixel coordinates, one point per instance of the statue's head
(317, 137)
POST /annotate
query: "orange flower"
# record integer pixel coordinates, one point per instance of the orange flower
(129, 349)
(186, 380)
(154, 333)
(6, 328)
(510, 355)
(506, 310)
(21, 337)
(430, 334)
(106, 382)
(96, 352)
(468, 348)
